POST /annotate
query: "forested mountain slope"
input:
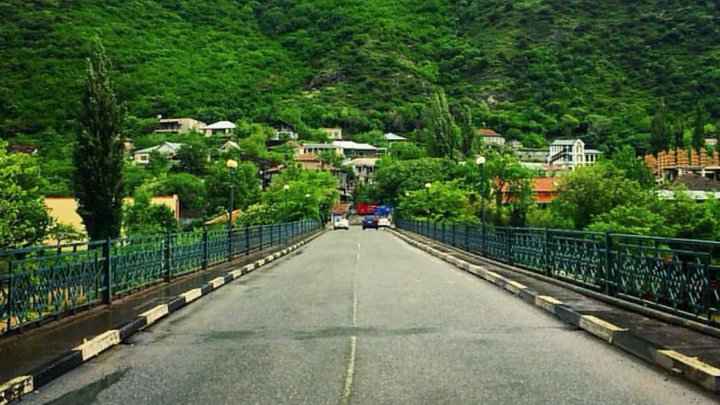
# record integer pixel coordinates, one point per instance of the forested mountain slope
(532, 69)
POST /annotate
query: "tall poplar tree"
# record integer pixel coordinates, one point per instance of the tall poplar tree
(660, 137)
(698, 137)
(441, 132)
(99, 150)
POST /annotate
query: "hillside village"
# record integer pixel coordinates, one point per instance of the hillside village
(352, 164)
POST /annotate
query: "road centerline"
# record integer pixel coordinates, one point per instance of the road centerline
(350, 372)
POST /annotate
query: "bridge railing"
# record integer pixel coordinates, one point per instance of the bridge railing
(679, 276)
(43, 282)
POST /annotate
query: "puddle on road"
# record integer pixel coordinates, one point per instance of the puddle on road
(89, 393)
(316, 334)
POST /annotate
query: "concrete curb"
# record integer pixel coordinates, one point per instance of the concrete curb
(690, 368)
(20, 386)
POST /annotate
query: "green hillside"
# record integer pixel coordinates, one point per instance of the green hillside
(532, 69)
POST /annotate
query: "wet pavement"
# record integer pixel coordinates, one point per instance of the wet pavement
(23, 352)
(361, 317)
(689, 342)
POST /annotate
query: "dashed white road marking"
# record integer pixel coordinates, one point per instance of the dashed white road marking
(353, 339)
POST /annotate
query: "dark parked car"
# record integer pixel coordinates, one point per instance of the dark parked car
(370, 221)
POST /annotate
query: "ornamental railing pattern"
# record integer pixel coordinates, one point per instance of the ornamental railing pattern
(679, 276)
(43, 282)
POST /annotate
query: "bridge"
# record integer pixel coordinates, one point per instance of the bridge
(366, 317)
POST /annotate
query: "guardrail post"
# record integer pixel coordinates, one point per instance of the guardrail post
(205, 248)
(482, 238)
(546, 251)
(467, 237)
(230, 244)
(262, 228)
(167, 256)
(608, 262)
(454, 238)
(508, 251)
(10, 297)
(247, 241)
(107, 295)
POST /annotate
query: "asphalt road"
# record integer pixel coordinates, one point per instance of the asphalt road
(361, 317)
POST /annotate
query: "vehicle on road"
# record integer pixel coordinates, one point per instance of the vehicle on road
(384, 223)
(370, 221)
(341, 223)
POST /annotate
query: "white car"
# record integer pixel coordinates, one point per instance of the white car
(341, 223)
(384, 222)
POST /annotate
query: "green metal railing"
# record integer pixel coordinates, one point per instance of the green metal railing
(680, 276)
(42, 282)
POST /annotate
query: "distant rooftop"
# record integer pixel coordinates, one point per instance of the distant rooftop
(221, 125)
(488, 132)
(393, 137)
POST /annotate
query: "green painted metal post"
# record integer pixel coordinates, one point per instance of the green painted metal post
(260, 232)
(107, 296)
(205, 248)
(508, 247)
(546, 251)
(167, 257)
(247, 241)
(454, 238)
(10, 298)
(467, 237)
(608, 262)
(482, 238)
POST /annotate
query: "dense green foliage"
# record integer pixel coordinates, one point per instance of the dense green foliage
(142, 217)
(99, 152)
(530, 69)
(23, 220)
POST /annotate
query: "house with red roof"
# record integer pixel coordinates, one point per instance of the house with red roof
(490, 137)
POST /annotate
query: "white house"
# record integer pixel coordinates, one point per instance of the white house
(571, 153)
(219, 128)
(345, 149)
(167, 149)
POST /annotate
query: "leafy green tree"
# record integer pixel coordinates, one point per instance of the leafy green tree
(99, 151)
(660, 136)
(310, 194)
(142, 217)
(678, 132)
(632, 219)
(592, 190)
(245, 181)
(23, 219)
(393, 178)
(511, 185)
(633, 167)
(441, 202)
(159, 164)
(441, 132)
(193, 158)
(190, 189)
(698, 136)
(64, 233)
(406, 151)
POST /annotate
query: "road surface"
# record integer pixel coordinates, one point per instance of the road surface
(361, 317)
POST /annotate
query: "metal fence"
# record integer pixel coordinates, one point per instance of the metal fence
(680, 276)
(42, 282)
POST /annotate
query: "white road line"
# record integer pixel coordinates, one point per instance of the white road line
(353, 339)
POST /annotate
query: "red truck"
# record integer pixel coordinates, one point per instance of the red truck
(365, 208)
